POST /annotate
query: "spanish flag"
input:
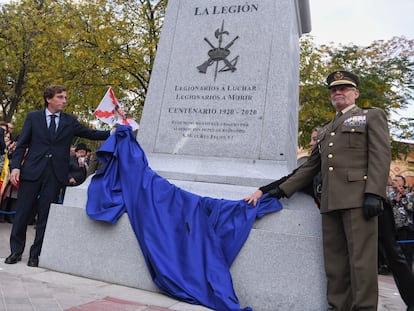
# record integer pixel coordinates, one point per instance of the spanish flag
(4, 177)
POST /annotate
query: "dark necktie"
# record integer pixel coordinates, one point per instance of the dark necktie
(52, 126)
(337, 116)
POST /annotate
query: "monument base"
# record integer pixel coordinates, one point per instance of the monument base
(217, 171)
(280, 267)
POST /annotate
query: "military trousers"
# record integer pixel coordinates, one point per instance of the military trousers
(350, 246)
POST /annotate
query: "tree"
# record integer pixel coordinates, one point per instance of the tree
(85, 45)
(385, 68)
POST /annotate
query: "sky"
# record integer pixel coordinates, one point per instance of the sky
(360, 22)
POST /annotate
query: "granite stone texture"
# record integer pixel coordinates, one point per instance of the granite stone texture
(224, 88)
(78, 245)
(220, 119)
(280, 267)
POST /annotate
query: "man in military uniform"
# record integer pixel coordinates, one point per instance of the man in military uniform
(353, 155)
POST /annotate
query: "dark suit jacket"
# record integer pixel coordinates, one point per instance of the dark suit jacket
(2, 143)
(42, 148)
(353, 155)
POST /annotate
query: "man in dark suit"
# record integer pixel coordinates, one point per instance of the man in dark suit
(40, 166)
(353, 155)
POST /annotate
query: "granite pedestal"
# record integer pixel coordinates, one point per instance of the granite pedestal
(279, 267)
(220, 119)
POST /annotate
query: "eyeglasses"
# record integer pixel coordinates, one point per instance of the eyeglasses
(340, 88)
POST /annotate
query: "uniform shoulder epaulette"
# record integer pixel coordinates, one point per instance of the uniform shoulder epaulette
(326, 123)
(370, 108)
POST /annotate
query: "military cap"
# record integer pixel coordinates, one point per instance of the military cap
(342, 77)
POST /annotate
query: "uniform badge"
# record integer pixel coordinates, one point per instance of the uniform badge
(338, 76)
(356, 121)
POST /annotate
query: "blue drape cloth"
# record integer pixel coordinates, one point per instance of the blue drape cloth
(188, 241)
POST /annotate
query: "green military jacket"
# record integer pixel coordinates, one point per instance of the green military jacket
(353, 154)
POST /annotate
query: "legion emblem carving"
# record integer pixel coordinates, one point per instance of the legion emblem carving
(218, 54)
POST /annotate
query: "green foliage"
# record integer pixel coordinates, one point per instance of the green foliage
(402, 132)
(85, 45)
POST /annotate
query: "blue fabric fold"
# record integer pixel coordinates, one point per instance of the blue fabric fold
(188, 241)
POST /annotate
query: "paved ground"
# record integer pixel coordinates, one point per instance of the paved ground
(23, 288)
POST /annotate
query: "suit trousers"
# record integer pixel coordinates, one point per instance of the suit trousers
(34, 195)
(350, 246)
(404, 278)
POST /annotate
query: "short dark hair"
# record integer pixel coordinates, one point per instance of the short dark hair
(403, 179)
(51, 91)
(81, 146)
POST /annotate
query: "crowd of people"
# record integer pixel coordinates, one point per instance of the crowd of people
(8, 193)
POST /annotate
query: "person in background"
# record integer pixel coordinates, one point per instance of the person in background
(72, 150)
(88, 156)
(94, 164)
(11, 141)
(3, 166)
(402, 206)
(77, 166)
(394, 256)
(44, 143)
(10, 128)
(3, 131)
(8, 191)
(314, 137)
(353, 155)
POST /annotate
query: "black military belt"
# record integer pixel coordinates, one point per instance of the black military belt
(48, 155)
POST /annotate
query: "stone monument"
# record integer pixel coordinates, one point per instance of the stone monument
(222, 105)
(220, 119)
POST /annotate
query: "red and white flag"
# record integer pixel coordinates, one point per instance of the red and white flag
(110, 112)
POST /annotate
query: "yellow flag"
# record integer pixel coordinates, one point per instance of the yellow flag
(4, 177)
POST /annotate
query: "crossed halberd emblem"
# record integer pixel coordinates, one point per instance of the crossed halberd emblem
(219, 54)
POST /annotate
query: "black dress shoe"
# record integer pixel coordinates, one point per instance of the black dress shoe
(384, 270)
(13, 258)
(33, 262)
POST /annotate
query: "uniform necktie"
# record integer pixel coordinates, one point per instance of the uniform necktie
(52, 126)
(337, 116)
